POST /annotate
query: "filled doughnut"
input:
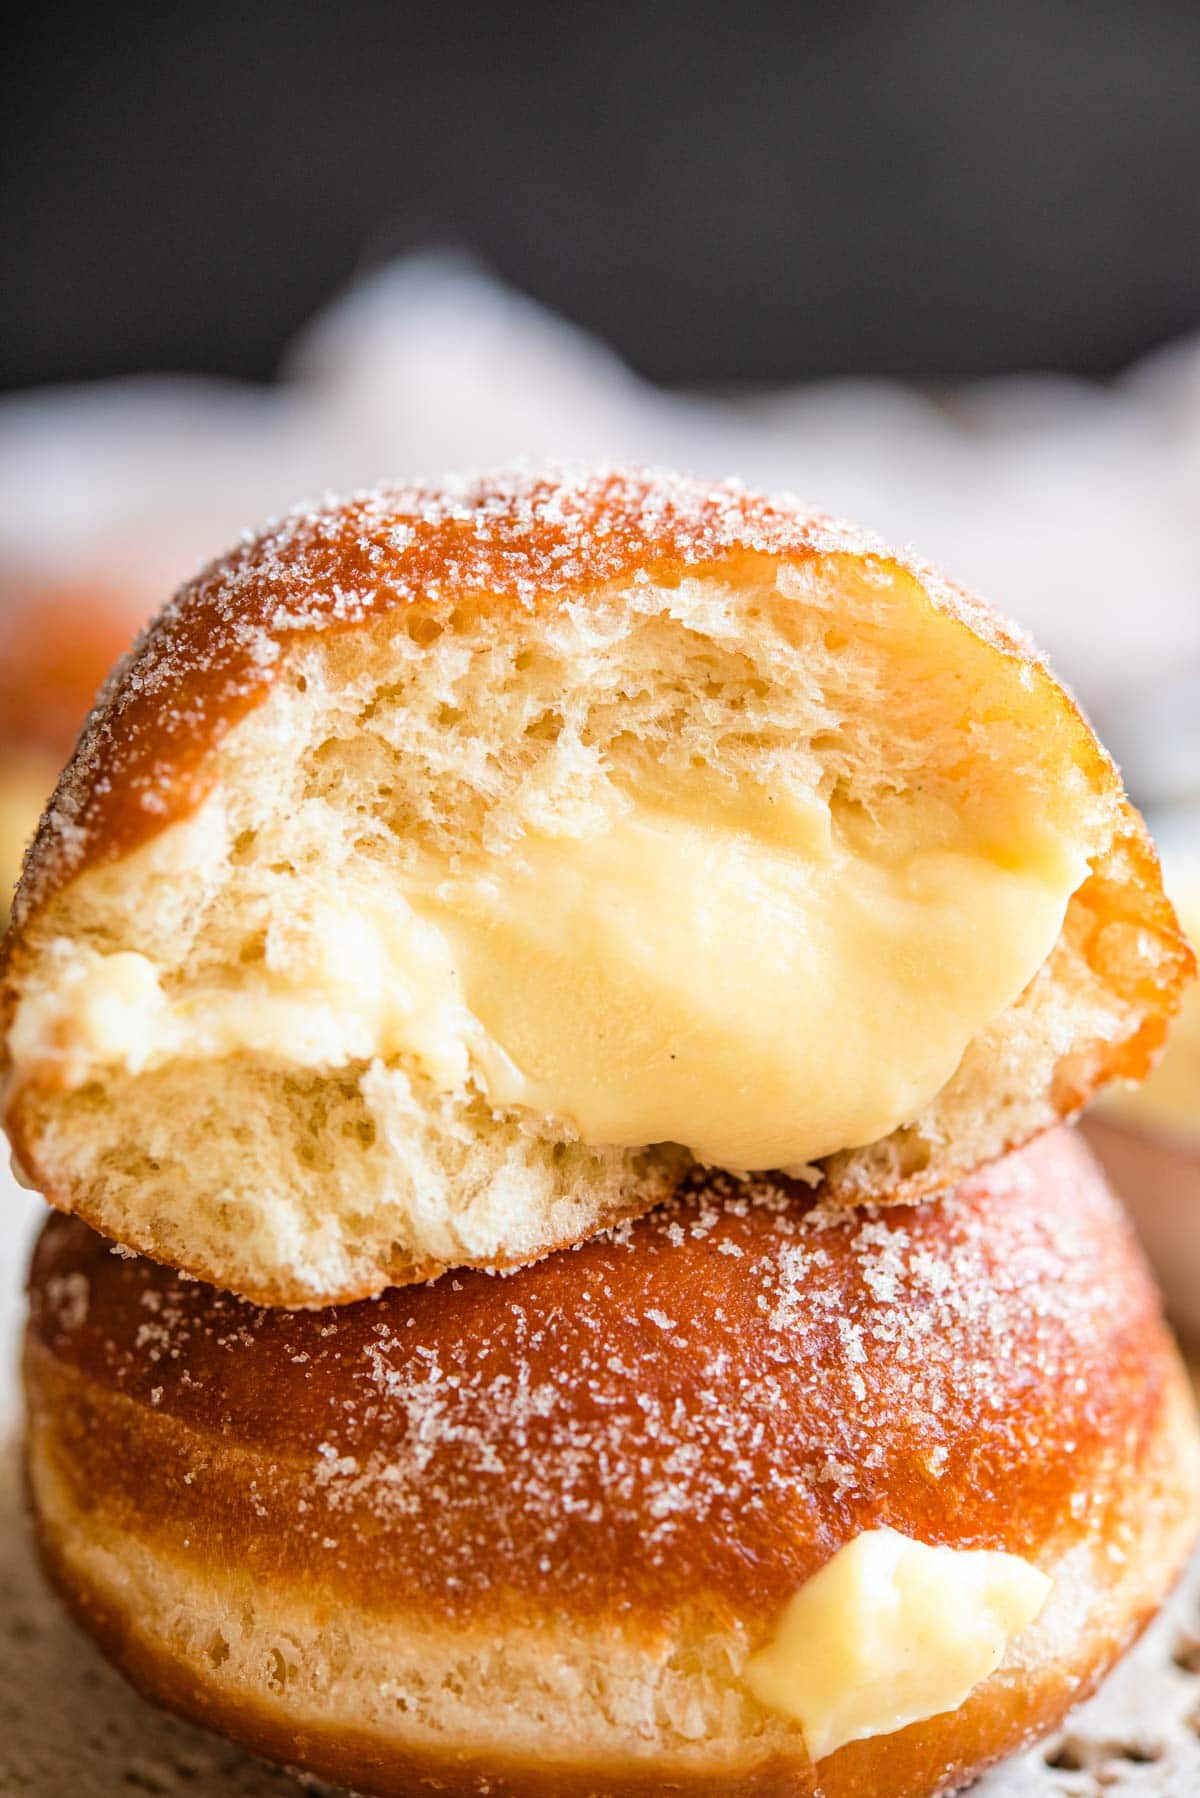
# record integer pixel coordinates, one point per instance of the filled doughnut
(450, 869)
(57, 643)
(755, 1495)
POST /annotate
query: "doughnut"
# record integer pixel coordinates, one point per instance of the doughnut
(450, 869)
(57, 641)
(757, 1494)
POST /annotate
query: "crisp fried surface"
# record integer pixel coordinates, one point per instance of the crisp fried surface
(646, 1407)
(642, 1447)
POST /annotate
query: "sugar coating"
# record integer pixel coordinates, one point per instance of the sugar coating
(500, 701)
(521, 538)
(652, 1413)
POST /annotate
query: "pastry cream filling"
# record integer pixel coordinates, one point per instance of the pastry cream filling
(889, 1632)
(762, 980)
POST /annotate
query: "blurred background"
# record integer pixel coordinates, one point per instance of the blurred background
(936, 266)
(907, 188)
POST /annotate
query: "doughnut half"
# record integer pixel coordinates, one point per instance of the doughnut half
(522, 1535)
(450, 867)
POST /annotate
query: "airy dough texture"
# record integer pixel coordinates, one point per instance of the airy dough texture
(441, 671)
(521, 1536)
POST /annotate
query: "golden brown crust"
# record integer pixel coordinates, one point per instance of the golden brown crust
(940, 1756)
(689, 1418)
(719, 1371)
(1122, 898)
(505, 541)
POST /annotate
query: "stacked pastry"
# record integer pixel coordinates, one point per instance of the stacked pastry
(558, 993)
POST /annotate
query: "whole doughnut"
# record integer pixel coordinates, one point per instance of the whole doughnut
(524, 1535)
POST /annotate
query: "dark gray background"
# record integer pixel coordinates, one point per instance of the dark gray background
(722, 191)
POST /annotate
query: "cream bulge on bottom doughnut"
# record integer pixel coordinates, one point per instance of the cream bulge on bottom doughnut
(581, 1530)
